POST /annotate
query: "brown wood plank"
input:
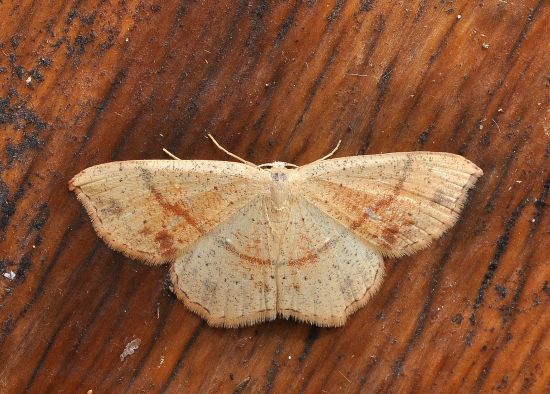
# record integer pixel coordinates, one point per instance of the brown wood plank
(86, 82)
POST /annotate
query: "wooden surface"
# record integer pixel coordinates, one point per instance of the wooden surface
(88, 82)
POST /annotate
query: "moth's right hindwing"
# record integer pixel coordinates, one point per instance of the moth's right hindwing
(325, 272)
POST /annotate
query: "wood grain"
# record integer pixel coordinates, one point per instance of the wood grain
(86, 82)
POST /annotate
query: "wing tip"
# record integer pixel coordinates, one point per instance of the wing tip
(78, 180)
(72, 184)
(476, 171)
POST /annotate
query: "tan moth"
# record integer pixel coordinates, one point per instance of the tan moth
(248, 243)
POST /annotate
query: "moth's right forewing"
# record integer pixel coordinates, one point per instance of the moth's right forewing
(398, 202)
(154, 210)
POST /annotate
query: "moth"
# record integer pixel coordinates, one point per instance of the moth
(248, 243)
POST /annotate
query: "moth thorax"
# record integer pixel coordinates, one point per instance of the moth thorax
(280, 190)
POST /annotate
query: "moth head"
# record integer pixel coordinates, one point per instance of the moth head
(278, 165)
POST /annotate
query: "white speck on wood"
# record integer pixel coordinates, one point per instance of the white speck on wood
(130, 348)
(9, 275)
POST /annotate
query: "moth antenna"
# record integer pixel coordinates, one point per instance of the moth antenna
(330, 154)
(170, 154)
(229, 153)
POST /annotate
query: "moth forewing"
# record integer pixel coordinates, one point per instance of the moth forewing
(396, 202)
(153, 210)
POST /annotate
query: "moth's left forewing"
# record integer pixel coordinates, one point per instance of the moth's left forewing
(398, 202)
(154, 210)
